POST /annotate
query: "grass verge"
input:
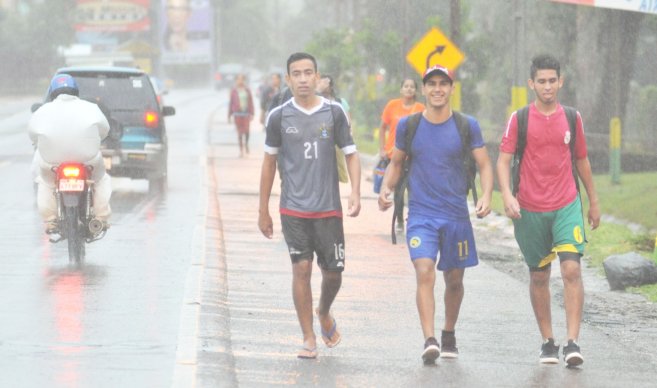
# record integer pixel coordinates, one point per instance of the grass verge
(631, 202)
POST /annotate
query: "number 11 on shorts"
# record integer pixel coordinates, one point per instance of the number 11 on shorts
(463, 248)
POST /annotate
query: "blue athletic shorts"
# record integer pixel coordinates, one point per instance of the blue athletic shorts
(454, 240)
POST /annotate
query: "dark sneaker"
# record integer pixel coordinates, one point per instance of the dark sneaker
(572, 355)
(449, 349)
(549, 352)
(431, 351)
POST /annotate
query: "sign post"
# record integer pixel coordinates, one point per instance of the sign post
(615, 150)
(434, 48)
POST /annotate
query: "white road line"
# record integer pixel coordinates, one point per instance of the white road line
(184, 374)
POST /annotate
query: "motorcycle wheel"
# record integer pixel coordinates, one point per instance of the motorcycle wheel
(74, 235)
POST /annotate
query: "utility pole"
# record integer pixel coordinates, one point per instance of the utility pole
(455, 21)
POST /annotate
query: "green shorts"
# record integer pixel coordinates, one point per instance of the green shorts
(542, 235)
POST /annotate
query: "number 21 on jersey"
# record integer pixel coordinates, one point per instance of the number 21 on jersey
(310, 150)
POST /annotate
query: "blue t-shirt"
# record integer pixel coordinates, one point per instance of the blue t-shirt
(437, 184)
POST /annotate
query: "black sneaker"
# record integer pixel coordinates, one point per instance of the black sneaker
(448, 341)
(572, 355)
(431, 351)
(549, 352)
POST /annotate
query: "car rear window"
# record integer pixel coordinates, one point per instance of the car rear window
(117, 91)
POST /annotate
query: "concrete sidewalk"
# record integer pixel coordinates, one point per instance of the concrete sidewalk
(248, 330)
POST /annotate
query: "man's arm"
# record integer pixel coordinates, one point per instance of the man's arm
(383, 129)
(266, 182)
(391, 178)
(353, 169)
(511, 205)
(585, 174)
(486, 180)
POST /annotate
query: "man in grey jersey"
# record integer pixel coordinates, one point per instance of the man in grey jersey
(301, 138)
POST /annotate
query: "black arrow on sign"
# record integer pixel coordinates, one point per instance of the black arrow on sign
(439, 50)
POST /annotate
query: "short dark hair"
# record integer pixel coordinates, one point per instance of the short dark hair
(408, 79)
(298, 57)
(544, 62)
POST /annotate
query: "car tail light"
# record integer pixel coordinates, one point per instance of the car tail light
(151, 119)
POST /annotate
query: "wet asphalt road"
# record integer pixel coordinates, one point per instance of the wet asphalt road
(114, 320)
(185, 291)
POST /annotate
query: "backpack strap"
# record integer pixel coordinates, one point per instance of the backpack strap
(571, 116)
(521, 116)
(411, 128)
(398, 214)
(469, 166)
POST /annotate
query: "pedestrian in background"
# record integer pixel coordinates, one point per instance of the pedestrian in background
(547, 209)
(272, 88)
(301, 135)
(438, 215)
(326, 89)
(394, 110)
(240, 108)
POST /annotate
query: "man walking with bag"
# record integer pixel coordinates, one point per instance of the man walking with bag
(545, 204)
(438, 216)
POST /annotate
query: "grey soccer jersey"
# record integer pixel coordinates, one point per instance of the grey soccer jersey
(304, 142)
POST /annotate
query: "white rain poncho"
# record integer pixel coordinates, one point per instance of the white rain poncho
(69, 129)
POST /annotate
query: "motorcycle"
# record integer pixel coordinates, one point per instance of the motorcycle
(75, 216)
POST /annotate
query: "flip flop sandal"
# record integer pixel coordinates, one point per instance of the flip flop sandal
(307, 354)
(327, 337)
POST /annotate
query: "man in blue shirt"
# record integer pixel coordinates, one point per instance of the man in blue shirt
(438, 216)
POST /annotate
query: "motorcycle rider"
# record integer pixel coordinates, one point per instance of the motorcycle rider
(68, 129)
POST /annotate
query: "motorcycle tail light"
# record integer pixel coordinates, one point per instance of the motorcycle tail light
(151, 119)
(71, 172)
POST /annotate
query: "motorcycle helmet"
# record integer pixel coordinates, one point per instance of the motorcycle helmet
(62, 84)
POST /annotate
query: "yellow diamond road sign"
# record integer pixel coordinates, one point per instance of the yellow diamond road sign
(434, 49)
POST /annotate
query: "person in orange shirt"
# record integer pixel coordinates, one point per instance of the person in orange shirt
(396, 109)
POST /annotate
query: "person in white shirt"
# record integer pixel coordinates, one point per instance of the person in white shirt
(68, 129)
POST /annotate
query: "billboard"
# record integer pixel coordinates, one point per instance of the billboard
(187, 32)
(116, 15)
(646, 6)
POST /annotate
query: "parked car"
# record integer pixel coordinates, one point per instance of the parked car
(137, 147)
(226, 73)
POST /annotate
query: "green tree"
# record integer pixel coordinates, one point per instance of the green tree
(29, 42)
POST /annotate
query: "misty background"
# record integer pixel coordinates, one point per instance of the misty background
(608, 56)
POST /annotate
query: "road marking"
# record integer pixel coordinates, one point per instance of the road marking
(184, 374)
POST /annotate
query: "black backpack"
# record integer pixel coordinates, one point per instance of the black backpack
(469, 165)
(522, 116)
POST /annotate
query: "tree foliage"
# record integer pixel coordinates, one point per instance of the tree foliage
(29, 42)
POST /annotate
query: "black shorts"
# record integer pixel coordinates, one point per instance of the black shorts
(323, 236)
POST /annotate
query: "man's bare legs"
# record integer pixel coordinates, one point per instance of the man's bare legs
(539, 290)
(425, 275)
(573, 291)
(331, 282)
(453, 296)
(303, 300)
(539, 293)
